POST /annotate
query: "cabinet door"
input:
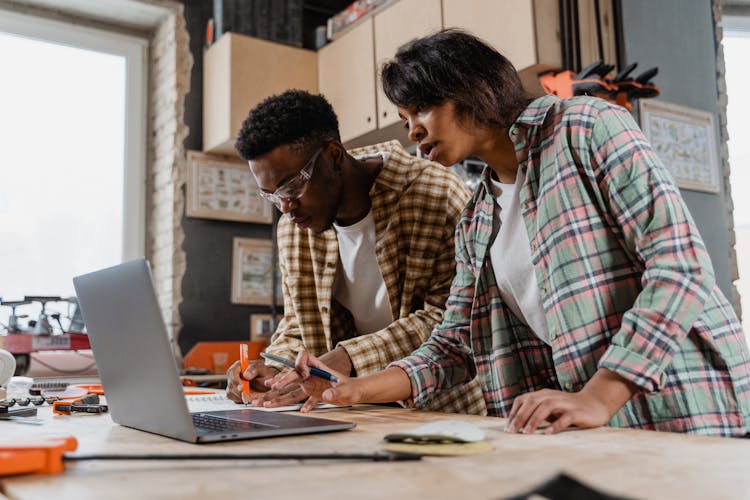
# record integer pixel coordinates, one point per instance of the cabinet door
(239, 72)
(396, 26)
(346, 77)
(507, 25)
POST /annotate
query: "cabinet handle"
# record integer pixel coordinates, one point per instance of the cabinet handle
(369, 119)
(385, 113)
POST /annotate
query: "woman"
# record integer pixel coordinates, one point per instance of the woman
(584, 294)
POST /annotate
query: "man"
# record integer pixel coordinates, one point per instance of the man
(365, 252)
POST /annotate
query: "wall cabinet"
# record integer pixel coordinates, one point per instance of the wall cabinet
(240, 71)
(396, 26)
(346, 78)
(524, 31)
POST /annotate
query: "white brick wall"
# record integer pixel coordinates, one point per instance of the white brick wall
(724, 153)
(169, 68)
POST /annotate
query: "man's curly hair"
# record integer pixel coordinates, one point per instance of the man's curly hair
(294, 117)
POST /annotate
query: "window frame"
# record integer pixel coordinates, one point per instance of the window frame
(135, 51)
(736, 24)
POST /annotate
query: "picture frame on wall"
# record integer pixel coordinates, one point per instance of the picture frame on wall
(685, 140)
(223, 188)
(262, 326)
(252, 272)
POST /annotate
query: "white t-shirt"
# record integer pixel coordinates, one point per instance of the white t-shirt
(510, 255)
(359, 284)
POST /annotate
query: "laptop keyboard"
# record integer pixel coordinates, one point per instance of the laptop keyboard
(221, 424)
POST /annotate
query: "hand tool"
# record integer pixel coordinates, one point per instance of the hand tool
(66, 408)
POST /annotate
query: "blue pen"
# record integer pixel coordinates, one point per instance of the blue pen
(313, 371)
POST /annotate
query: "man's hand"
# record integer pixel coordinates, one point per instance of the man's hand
(593, 406)
(257, 373)
(339, 360)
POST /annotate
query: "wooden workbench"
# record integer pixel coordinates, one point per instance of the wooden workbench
(636, 464)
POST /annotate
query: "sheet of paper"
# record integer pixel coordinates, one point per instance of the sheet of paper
(218, 401)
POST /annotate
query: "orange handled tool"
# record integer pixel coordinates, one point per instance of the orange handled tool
(35, 456)
(244, 360)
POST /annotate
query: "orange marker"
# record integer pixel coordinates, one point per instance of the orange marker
(244, 358)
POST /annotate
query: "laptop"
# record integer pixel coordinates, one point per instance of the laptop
(139, 373)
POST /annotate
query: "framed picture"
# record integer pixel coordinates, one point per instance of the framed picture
(262, 326)
(685, 140)
(252, 272)
(222, 187)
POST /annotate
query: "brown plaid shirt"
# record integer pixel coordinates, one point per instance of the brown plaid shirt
(416, 205)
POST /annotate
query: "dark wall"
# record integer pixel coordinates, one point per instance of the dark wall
(197, 14)
(268, 19)
(678, 37)
(206, 310)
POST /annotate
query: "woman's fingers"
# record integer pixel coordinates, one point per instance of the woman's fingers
(547, 409)
(530, 410)
(301, 372)
(316, 363)
(345, 393)
(562, 409)
(524, 406)
(563, 422)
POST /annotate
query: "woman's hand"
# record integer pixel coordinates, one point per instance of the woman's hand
(345, 392)
(593, 406)
(563, 409)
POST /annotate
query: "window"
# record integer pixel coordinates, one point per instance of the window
(72, 155)
(736, 47)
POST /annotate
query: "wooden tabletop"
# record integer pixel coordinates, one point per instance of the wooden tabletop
(636, 464)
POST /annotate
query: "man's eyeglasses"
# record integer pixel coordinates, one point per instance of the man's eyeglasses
(294, 188)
